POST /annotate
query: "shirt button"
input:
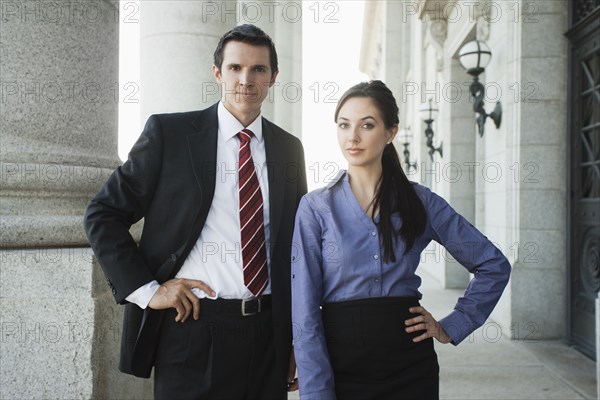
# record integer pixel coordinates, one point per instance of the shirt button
(373, 233)
(376, 280)
(376, 257)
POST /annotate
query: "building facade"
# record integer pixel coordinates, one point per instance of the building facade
(532, 185)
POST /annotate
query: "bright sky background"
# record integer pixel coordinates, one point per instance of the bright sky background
(330, 52)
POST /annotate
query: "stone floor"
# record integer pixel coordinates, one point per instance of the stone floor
(489, 366)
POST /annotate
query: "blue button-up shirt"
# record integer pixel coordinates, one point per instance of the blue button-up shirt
(337, 256)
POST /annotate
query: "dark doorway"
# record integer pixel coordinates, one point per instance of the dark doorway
(584, 182)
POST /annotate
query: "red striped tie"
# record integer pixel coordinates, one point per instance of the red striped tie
(254, 254)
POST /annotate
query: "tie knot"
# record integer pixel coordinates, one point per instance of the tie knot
(245, 135)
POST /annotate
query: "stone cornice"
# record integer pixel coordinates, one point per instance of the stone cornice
(432, 8)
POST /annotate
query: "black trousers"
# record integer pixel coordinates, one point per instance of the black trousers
(221, 356)
(371, 354)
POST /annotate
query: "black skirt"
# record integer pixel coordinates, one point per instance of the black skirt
(371, 354)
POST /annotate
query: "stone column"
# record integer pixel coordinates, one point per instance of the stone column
(287, 107)
(533, 213)
(59, 93)
(178, 39)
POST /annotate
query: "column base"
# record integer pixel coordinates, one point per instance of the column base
(60, 328)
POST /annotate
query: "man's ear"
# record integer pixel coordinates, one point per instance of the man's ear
(217, 73)
(273, 78)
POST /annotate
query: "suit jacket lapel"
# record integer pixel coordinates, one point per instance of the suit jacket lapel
(275, 169)
(202, 150)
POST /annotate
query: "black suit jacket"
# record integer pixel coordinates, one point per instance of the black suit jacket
(169, 180)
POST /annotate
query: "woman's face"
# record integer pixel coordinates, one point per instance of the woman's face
(362, 135)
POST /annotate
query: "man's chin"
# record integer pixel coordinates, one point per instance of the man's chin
(244, 105)
(254, 98)
(243, 99)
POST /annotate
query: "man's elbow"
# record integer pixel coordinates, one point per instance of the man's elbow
(89, 219)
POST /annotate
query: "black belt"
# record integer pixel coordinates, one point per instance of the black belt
(246, 307)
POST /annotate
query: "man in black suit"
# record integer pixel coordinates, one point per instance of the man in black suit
(207, 291)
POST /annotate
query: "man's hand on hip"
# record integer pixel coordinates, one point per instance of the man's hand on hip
(177, 294)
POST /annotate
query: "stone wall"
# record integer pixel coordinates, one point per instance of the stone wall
(60, 328)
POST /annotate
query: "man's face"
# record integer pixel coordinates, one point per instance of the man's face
(245, 77)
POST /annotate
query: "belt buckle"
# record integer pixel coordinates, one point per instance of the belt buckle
(245, 301)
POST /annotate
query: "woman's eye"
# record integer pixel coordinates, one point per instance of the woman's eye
(343, 125)
(368, 126)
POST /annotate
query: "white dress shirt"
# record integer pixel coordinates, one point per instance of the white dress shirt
(216, 258)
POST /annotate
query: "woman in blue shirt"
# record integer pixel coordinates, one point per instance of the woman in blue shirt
(359, 331)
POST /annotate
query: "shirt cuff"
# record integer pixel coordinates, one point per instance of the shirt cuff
(143, 295)
(320, 395)
(457, 326)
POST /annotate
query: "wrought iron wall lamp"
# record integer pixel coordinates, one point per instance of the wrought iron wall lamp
(428, 112)
(474, 57)
(404, 134)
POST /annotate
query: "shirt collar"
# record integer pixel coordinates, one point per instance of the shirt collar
(341, 176)
(229, 126)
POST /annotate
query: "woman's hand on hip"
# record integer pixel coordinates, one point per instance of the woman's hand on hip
(425, 322)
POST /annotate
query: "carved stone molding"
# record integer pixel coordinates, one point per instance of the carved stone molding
(433, 9)
(483, 29)
(438, 29)
(436, 34)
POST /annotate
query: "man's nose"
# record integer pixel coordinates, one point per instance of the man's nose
(246, 78)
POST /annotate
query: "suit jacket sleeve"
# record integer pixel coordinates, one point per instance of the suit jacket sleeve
(302, 186)
(122, 201)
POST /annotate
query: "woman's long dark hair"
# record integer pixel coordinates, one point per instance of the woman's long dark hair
(394, 191)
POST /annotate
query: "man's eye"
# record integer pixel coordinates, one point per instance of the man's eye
(260, 69)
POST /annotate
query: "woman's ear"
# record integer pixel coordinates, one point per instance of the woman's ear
(392, 133)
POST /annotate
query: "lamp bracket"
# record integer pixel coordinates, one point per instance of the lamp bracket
(429, 135)
(477, 91)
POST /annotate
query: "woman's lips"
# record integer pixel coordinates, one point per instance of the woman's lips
(354, 151)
